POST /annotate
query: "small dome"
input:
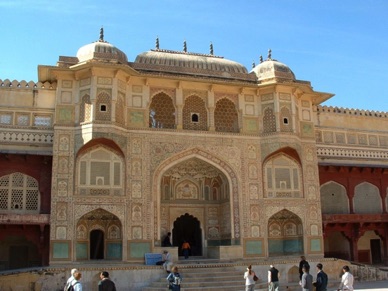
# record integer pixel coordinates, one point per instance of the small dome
(272, 69)
(101, 50)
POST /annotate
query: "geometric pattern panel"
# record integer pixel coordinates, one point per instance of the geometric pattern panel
(225, 116)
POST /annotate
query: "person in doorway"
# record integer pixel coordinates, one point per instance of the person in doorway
(347, 279)
(307, 279)
(167, 240)
(273, 279)
(322, 280)
(106, 284)
(302, 263)
(174, 279)
(71, 279)
(249, 279)
(185, 249)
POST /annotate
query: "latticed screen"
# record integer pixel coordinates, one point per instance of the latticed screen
(19, 193)
(85, 109)
(5, 118)
(283, 179)
(103, 107)
(194, 114)
(269, 120)
(100, 173)
(225, 116)
(42, 121)
(162, 112)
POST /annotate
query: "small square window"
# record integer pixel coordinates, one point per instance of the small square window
(103, 107)
(195, 117)
(285, 120)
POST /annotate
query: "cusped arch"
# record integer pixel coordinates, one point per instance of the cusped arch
(290, 239)
(206, 157)
(334, 199)
(364, 194)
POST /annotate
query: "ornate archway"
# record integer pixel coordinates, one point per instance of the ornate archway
(197, 177)
(285, 234)
(99, 236)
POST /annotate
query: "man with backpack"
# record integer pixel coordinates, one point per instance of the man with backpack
(174, 279)
(73, 283)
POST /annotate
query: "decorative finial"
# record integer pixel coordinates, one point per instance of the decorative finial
(101, 34)
(211, 48)
(253, 64)
(270, 54)
(157, 43)
(261, 58)
(185, 46)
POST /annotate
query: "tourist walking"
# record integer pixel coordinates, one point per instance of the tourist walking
(302, 263)
(106, 284)
(322, 280)
(347, 279)
(70, 280)
(185, 249)
(174, 279)
(273, 279)
(249, 277)
(307, 279)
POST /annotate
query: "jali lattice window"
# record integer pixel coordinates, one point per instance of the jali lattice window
(225, 116)
(269, 120)
(162, 112)
(85, 109)
(282, 176)
(19, 193)
(100, 173)
(194, 114)
(103, 107)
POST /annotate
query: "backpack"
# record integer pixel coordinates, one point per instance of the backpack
(175, 279)
(70, 286)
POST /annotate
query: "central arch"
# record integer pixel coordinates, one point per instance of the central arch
(217, 196)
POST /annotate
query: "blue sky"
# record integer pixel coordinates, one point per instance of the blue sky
(340, 46)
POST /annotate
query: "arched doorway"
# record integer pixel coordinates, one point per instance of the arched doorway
(188, 228)
(99, 236)
(97, 245)
(285, 234)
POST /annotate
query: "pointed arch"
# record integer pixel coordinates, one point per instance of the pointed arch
(195, 113)
(100, 169)
(226, 116)
(19, 193)
(162, 111)
(334, 199)
(100, 232)
(285, 233)
(283, 174)
(364, 193)
(206, 157)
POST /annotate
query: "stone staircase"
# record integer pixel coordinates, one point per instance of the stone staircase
(227, 278)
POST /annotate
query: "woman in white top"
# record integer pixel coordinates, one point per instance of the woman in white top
(346, 280)
(249, 282)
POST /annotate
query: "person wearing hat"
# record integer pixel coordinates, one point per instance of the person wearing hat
(273, 279)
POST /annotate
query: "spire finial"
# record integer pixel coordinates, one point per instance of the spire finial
(211, 48)
(261, 58)
(185, 46)
(253, 64)
(270, 54)
(101, 34)
(157, 43)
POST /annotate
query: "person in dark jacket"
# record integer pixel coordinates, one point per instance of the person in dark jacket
(273, 279)
(302, 263)
(321, 282)
(106, 284)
